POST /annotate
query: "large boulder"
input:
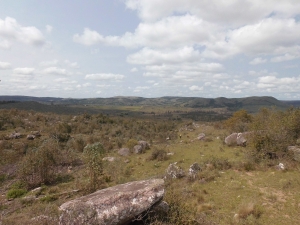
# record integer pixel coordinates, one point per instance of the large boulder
(241, 139)
(231, 139)
(116, 205)
(124, 152)
(173, 171)
(295, 152)
(138, 149)
(237, 139)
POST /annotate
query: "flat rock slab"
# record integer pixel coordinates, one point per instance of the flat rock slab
(116, 205)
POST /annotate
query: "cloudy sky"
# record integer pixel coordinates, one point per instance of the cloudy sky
(150, 48)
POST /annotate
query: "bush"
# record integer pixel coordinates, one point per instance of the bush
(15, 193)
(38, 165)
(239, 122)
(131, 143)
(159, 154)
(93, 154)
(273, 132)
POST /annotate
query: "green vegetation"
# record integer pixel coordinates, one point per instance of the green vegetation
(236, 185)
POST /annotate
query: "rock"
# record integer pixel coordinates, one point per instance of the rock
(109, 159)
(295, 152)
(14, 135)
(231, 139)
(124, 152)
(194, 169)
(116, 205)
(170, 153)
(237, 139)
(160, 209)
(280, 166)
(145, 145)
(201, 136)
(241, 139)
(138, 149)
(173, 171)
(36, 133)
(30, 137)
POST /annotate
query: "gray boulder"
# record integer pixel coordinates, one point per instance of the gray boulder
(138, 149)
(124, 152)
(231, 139)
(237, 139)
(116, 205)
(295, 151)
(145, 145)
(14, 135)
(241, 139)
(30, 137)
(173, 171)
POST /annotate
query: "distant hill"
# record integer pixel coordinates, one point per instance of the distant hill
(293, 103)
(251, 104)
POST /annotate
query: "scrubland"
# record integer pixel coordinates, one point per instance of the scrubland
(236, 184)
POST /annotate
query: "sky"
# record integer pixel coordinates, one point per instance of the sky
(150, 48)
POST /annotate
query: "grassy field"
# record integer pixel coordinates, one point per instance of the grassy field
(230, 189)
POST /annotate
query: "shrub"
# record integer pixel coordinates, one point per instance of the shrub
(159, 154)
(38, 165)
(239, 122)
(131, 143)
(15, 193)
(93, 154)
(273, 132)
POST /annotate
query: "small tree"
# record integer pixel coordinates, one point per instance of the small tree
(239, 121)
(93, 154)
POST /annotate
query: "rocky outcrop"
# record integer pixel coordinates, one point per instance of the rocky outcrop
(173, 171)
(295, 151)
(116, 205)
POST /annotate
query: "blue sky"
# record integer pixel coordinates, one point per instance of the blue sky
(150, 48)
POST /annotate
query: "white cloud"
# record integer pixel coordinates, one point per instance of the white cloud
(195, 88)
(268, 36)
(257, 61)
(151, 56)
(4, 65)
(141, 88)
(283, 84)
(49, 29)
(24, 71)
(133, 70)
(285, 57)
(11, 30)
(176, 31)
(88, 37)
(214, 10)
(71, 64)
(49, 63)
(104, 76)
(4, 44)
(55, 71)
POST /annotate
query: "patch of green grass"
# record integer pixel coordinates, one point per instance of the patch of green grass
(15, 193)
